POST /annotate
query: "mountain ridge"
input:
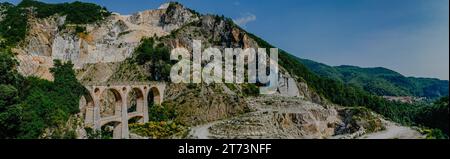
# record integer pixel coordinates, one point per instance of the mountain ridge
(381, 81)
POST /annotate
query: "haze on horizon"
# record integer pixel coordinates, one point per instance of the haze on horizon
(407, 36)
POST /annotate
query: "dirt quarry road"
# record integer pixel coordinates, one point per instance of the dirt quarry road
(249, 124)
(394, 131)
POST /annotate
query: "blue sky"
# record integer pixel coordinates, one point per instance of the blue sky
(408, 36)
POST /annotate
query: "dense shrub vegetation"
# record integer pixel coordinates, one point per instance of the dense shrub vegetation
(157, 56)
(10, 107)
(30, 105)
(161, 123)
(158, 130)
(435, 116)
(161, 113)
(13, 28)
(76, 12)
(250, 89)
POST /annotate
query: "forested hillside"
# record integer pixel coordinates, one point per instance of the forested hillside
(381, 81)
(29, 105)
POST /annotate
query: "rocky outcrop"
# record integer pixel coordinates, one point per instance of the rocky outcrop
(112, 40)
(280, 117)
(357, 118)
(35, 66)
(289, 117)
(197, 104)
(212, 31)
(97, 73)
(287, 86)
(176, 16)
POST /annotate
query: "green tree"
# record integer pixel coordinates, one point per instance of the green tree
(157, 56)
(435, 116)
(10, 111)
(49, 104)
(8, 74)
(13, 27)
(10, 108)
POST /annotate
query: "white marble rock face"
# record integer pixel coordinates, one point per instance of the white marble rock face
(112, 40)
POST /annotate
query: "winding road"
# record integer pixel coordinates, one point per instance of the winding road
(394, 131)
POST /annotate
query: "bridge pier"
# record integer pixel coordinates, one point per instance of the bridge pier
(97, 125)
(145, 108)
(125, 134)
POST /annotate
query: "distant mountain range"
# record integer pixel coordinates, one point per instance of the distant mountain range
(381, 81)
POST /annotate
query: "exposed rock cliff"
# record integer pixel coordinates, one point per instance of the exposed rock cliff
(289, 117)
(112, 40)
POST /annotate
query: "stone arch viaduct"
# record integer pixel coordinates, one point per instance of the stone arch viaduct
(92, 105)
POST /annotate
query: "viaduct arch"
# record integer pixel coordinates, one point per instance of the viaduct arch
(130, 101)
